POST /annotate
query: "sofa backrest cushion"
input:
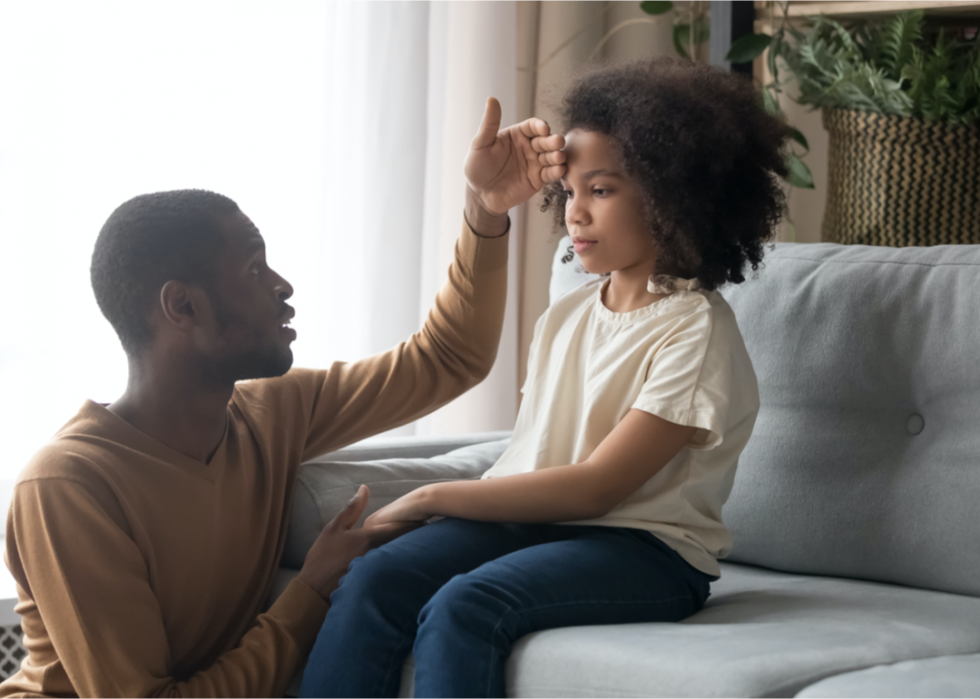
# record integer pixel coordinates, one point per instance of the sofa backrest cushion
(865, 459)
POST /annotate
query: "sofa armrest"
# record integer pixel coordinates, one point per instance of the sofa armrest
(390, 469)
(378, 448)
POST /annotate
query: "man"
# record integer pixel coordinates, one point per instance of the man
(144, 537)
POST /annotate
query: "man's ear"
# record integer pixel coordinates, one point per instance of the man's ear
(182, 304)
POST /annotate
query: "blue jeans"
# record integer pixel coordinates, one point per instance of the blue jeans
(459, 594)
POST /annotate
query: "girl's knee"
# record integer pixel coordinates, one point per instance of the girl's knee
(466, 600)
(375, 575)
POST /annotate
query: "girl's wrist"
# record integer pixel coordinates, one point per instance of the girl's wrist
(427, 499)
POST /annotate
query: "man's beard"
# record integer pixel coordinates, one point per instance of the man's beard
(247, 365)
(266, 363)
(255, 365)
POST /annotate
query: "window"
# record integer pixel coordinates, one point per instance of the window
(269, 103)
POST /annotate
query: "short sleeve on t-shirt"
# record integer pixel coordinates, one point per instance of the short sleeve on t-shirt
(689, 377)
(532, 355)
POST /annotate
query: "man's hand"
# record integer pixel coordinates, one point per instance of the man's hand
(506, 168)
(339, 544)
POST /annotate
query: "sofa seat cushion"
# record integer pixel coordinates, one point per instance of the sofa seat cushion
(948, 676)
(761, 634)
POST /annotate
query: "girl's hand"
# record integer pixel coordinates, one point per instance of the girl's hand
(506, 168)
(408, 508)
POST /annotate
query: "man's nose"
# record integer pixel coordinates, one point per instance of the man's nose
(283, 288)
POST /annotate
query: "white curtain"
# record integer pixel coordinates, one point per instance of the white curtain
(473, 55)
(407, 87)
(340, 129)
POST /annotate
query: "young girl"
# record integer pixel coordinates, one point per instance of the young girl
(606, 506)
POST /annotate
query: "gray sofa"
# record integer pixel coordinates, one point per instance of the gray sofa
(855, 510)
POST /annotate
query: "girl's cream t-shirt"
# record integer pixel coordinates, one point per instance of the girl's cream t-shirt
(681, 358)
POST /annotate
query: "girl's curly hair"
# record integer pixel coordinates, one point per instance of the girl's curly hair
(703, 152)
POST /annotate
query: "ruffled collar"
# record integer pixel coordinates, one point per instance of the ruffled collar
(666, 284)
(658, 284)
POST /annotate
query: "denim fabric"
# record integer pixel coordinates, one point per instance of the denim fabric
(459, 593)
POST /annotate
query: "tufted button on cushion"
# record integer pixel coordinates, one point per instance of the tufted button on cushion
(915, 424)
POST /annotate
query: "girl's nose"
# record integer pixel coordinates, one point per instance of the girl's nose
(575, 213)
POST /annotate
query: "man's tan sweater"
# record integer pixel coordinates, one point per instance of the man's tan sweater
(143, 572)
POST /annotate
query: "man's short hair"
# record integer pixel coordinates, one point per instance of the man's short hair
(146, 242)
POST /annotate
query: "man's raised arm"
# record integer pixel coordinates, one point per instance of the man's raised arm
(456, 347)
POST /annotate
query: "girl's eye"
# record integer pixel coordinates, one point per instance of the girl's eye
(568, 193)
(599, 191)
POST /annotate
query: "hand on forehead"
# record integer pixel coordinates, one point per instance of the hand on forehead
(589, 153)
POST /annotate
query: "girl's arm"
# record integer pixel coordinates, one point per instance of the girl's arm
(637, 448)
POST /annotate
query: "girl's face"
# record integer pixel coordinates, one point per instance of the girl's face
(604, 214)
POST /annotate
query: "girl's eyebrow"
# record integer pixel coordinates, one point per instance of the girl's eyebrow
(595, 173)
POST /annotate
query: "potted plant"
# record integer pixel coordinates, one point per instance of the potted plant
(691, 27)
(901, 102)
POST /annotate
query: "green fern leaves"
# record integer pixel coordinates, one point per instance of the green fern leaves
(890, 67)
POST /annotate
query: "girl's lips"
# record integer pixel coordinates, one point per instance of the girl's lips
(581, 245)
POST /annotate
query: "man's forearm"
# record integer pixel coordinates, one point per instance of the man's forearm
(454, 350)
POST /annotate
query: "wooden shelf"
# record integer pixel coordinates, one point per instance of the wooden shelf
(955, 8)
(851, 9)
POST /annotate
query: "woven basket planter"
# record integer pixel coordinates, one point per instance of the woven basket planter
(901, 181)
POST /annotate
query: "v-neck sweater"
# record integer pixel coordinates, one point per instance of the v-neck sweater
(143, 572)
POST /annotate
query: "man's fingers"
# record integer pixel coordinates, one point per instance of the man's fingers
(534, 127)
(352, 510)
(555, 172)
(489, 127)
(554, 157)
(546, 144)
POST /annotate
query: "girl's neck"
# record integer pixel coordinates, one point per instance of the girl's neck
(627, 291)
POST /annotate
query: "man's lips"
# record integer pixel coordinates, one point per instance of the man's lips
(284, 321)
(582, 244)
